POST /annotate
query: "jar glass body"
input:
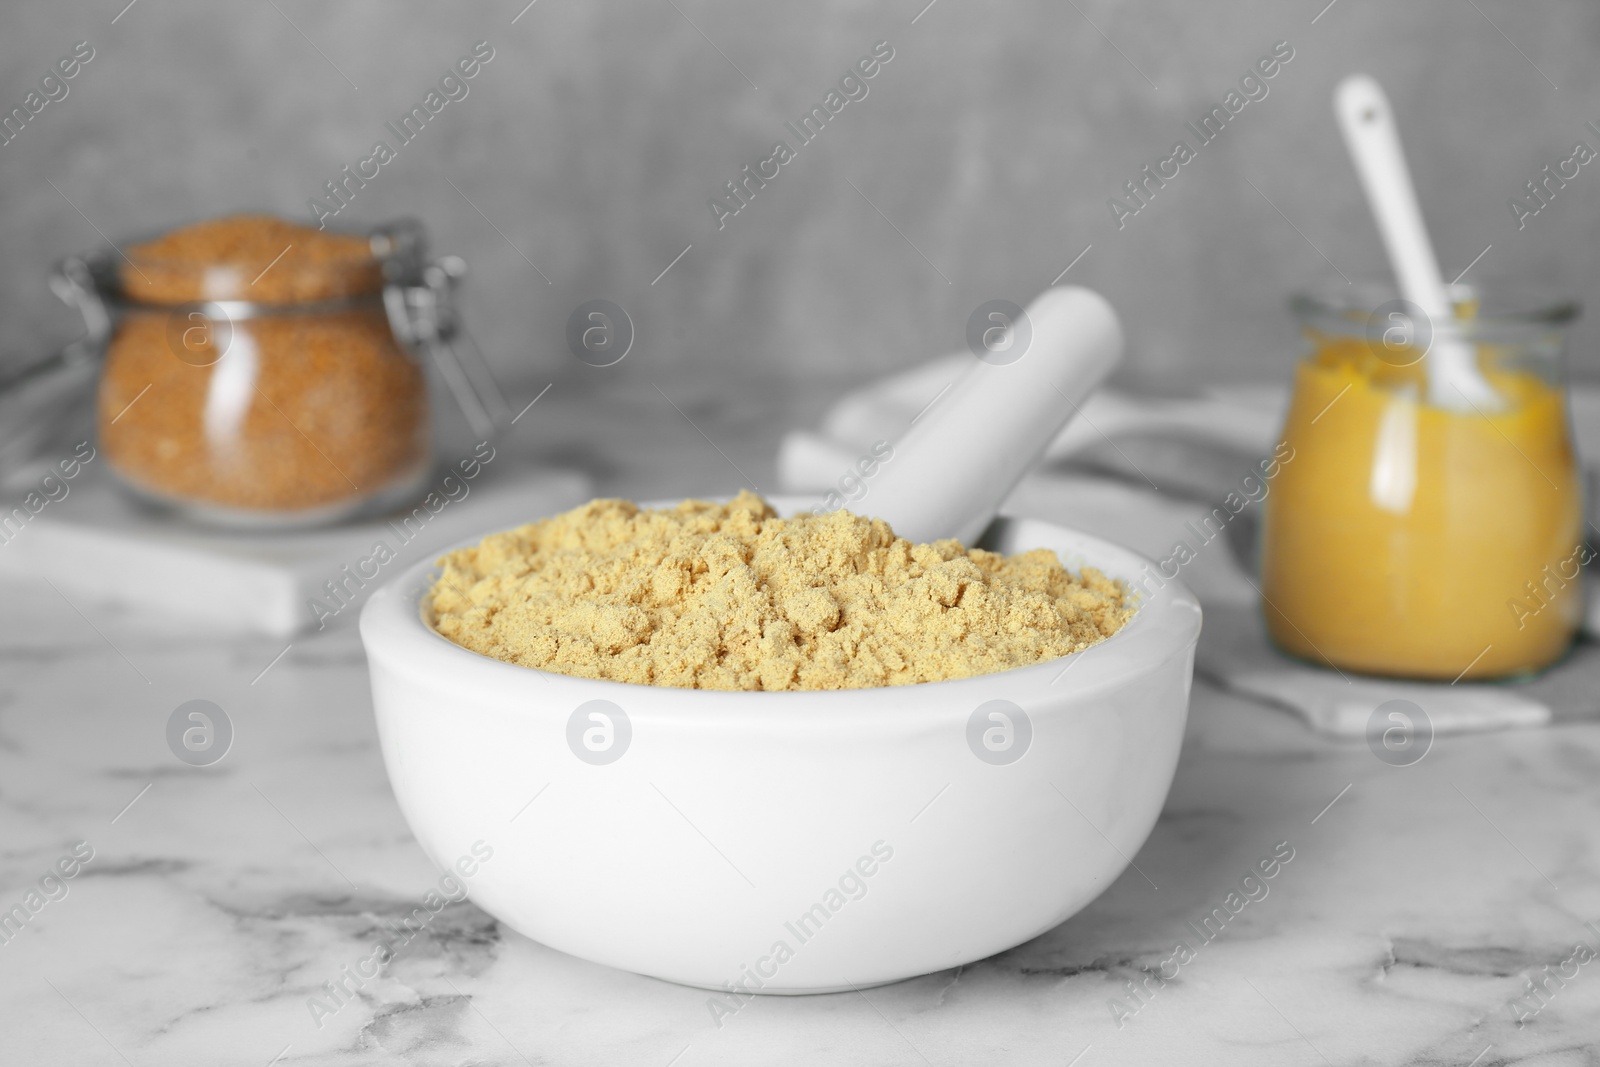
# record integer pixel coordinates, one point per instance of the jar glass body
(1410, 537)
(297, 414)
(279, 400)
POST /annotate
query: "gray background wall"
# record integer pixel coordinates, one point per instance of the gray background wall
(992, 141)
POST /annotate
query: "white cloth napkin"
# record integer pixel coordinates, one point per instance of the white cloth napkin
(1168, 457)
(1242, 418)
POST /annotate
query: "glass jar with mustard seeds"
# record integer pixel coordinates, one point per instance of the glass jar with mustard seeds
(253, 375)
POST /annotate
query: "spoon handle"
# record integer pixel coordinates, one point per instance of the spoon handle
(1370, 133)
(964, 454)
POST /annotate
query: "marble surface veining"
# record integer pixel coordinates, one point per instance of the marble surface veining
(1418, 907)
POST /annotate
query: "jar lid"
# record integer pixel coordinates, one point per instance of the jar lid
(255, 258)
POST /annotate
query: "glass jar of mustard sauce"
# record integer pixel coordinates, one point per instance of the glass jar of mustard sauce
(1413, 535)
(259, 373)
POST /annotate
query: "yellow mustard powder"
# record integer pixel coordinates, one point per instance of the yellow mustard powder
(729, 596)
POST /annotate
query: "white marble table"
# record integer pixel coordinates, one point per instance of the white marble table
(219, 899)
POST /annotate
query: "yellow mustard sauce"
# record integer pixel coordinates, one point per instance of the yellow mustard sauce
(1413, 540)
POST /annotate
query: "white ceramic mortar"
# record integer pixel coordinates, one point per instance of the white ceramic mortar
(727, 816)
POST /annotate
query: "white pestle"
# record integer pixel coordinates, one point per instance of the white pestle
(1373, 139)
(964, 454)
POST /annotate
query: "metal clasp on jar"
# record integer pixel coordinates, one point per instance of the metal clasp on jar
(420, 298)
(51, 395)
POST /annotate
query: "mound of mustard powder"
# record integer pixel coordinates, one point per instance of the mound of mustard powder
(729, 596)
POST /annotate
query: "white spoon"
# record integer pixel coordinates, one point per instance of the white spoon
(965, 453)
(1373, 139)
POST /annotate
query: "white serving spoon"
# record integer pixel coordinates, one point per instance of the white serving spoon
(1373, 139)
(965, 453)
